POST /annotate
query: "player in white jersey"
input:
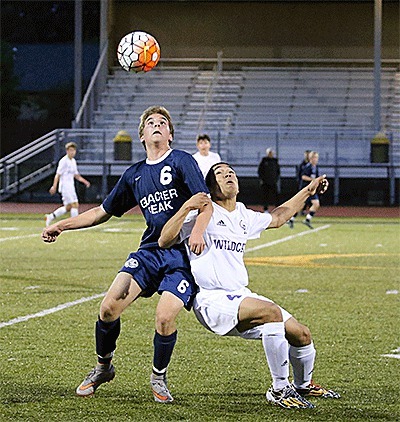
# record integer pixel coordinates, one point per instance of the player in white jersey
(66, 173)
(225, 305)
(204, 157)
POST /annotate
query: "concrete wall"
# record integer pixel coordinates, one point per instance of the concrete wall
(259, 29)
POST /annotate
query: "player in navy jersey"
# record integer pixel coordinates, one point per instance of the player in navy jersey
(159, 185)
(299, 173)
(224, 304)
(309, 173)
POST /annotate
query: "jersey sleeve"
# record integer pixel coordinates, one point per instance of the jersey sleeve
(307, 170)
(258, 222)
(61, 166)
(192, 176)
(187, 226)
(75, 167)
(121, 199)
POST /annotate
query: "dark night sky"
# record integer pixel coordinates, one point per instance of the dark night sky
(46, 21)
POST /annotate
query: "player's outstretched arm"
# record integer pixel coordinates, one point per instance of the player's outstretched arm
(196, 239)
(170, 232)
(284, 212)
(89, 218)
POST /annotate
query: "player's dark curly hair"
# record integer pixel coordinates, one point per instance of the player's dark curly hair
(211, 180)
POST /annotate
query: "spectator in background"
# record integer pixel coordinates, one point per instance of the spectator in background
(269, 174)
(204, 157)
(66, 173)
(309, 173)
(299, 172)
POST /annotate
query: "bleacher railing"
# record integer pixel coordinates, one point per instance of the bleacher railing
(344, 153)
(96, 86)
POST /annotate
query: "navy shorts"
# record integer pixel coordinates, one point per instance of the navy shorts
(158, 270)
(312, 198)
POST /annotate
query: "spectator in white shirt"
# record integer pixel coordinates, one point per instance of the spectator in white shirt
(204, 157)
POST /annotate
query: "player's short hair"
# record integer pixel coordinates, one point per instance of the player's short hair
(155, 110)
(211, 180)
(70, 145)
(203, 136)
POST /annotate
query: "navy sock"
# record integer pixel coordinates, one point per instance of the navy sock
(106, 338)
(163, 348)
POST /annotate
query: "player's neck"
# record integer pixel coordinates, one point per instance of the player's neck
(228, 204)
(154, 152)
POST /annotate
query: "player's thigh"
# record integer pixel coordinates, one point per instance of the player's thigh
(254, 312)
(122, 292)
(296, 333)
(168, 307)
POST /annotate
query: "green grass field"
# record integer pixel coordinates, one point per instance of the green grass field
(341, 281)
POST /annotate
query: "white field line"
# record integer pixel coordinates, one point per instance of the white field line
(50, 311)
(20, 237)
(284, 239)
(391, 356)
(86, 299)
(110, 229)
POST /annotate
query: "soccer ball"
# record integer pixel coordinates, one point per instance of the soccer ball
(138, 52)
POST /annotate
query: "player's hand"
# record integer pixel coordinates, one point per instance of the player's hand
(52, 190)
(196, 243)
(198, 201)
(50, 234)
(318, 185)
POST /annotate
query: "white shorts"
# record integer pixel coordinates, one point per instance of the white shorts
(217, 310)
(69, 196)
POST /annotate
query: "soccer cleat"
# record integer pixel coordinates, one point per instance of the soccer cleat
(316, 390)
(307, 223)
(160, 390)
(95, 378)
(49, 218)
(290, 223)
(288, 398)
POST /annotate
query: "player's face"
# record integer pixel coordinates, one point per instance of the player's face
(203, 146)
(71, 152)
(314, 160)
(156, 129)
(227, 182)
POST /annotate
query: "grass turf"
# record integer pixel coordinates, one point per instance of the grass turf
(340, 281)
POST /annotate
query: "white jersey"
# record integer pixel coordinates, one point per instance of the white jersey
(67, 169)
(206, 161)
(221, 264)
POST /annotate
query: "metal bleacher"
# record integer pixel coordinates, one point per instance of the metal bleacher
(229, 104)
(244, 110)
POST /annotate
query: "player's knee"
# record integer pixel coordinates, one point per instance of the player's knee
(272, 313)
(108, 312)
(303, 336)
(165, 322)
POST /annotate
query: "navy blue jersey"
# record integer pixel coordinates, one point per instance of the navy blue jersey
(159, 187)
(300, 169)
(310, 171)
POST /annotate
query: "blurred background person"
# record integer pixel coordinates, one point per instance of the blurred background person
(299, 172)
(269, 174)
(64, 179)
(204, 157)
(310, 172)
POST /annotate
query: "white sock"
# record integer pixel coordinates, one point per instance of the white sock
(309, 217)
(276, 350)
(59, 212)
(302, 360)
(74, 212)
